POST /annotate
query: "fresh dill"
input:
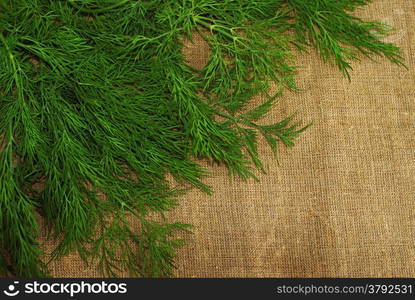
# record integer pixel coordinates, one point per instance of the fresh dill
(98, 107)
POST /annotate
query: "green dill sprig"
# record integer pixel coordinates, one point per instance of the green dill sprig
(99, 109)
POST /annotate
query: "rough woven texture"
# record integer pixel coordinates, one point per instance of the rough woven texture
(339, 204)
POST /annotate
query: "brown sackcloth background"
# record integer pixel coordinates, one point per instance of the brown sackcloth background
(341, 203)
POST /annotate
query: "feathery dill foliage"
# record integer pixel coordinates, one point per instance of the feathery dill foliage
(97, 107)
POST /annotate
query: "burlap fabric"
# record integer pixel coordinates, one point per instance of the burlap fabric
(341, 203)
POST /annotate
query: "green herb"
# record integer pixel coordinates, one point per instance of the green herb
(98, 107)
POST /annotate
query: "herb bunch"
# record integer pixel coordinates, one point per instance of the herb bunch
(98, 107)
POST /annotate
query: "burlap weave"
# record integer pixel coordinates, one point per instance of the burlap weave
(341, 203)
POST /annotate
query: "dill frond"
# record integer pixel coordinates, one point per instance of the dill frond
(98, 107)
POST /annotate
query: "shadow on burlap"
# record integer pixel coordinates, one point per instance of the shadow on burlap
(341, 203)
